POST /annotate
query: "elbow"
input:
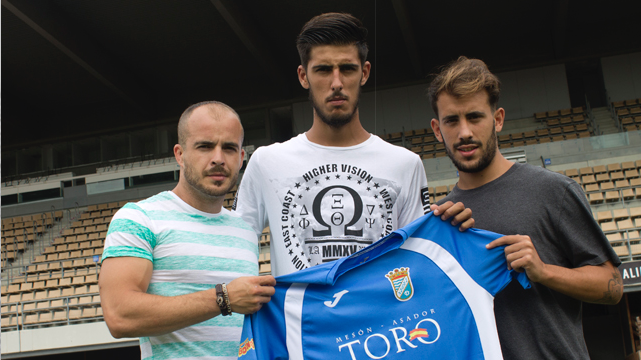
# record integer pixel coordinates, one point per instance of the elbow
(116, 330)
(119, 327)
(617, 296)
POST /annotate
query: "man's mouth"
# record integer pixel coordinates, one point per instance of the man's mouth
(217, 176)
(467, 150)
(337, 99)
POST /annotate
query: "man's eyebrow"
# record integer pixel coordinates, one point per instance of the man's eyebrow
(232, 144)
(321, 66)
(450, 117)
(475, 114)
(213, 143)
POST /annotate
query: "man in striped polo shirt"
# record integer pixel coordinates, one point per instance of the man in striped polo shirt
(165, 255)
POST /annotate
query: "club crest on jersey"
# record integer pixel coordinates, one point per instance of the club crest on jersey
(401, 283)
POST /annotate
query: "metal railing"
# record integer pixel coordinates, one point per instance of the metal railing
(67, 304)
(588, 110)
(613, 112)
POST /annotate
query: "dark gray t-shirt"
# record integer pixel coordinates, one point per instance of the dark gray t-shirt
(539, 323)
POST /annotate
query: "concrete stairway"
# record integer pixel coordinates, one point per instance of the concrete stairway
(603, 119)
(26, 257)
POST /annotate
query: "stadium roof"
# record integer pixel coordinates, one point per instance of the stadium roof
(77, 68)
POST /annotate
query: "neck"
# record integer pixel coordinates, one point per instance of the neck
(499, 166)
(212, 205)
(349, 134)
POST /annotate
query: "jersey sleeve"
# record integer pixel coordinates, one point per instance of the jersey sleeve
(247, 348)
(579, 235)
(130, 234)
(264, 334)
(249, 202)
(488, 267)
(416, 202)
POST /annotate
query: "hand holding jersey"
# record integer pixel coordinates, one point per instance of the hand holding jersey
(582, 283)
(425, 291)
(248, 294)
(521, 255)
(458, 212)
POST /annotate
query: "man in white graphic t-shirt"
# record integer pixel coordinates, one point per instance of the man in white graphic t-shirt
(336, 188)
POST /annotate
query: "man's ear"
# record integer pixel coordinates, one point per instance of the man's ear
(437, 129)
(499, 118)
(367, 67)
(302, 77)
(178, 154)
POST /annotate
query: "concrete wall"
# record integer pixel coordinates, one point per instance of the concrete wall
(63, 203)
(526, 92)
(59, 339)
(622, 76)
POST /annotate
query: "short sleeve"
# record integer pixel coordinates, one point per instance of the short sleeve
(248, 203)
(579, 235)
(130, 234)
(263, 336)
(488, 267)
(247, 348)
(416, 199)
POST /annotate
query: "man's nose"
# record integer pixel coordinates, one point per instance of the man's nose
(465, 132)
(337, 81)
(217, 157)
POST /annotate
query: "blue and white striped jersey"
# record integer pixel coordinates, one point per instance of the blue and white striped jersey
(426, 291)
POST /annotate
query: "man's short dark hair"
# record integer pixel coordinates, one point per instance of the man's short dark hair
(464, 77)
(332, 29)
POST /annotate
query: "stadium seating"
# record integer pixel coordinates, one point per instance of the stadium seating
(551, 126)
(628, 113)
(18, 233)
(60, 285)
(616, 185)
(421, 141)
(63, 278)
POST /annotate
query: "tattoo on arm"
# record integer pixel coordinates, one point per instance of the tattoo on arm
(615, 290)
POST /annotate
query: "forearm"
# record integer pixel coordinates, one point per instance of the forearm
(600, 284)
(136, 314)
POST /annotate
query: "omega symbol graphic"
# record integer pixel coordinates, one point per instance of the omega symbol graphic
(332, 205)
(332, 211)
(401, 283)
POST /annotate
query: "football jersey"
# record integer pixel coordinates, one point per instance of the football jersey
(426, 291)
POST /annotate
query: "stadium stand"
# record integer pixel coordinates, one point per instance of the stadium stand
(549, 126)
(628, 113)
(614, 194)
(59, 284)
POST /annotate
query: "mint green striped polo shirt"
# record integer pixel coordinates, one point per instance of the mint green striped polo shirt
(191, 251)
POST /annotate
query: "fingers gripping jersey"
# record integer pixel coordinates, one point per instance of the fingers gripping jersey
(424, 291)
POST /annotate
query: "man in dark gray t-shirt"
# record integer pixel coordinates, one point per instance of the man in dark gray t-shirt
(552, 235)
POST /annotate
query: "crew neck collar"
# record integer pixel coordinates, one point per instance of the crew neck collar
(370, 139)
